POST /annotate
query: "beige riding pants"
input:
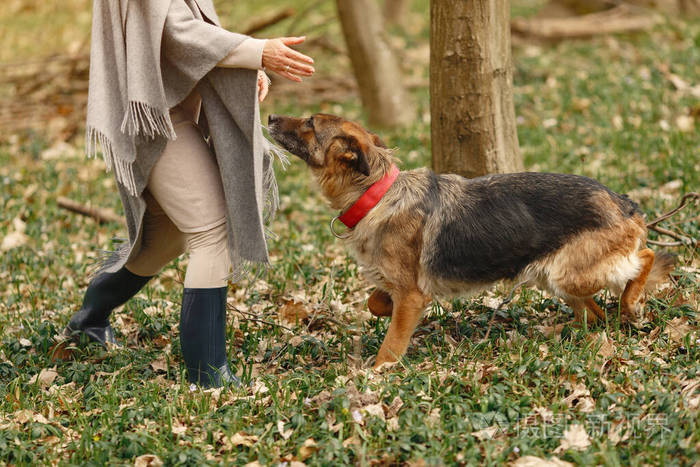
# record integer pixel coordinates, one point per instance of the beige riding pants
(186, 211)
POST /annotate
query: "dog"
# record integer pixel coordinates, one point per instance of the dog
(431, 235)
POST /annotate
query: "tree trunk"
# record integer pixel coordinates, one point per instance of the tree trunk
(376, 69)
(471, 88)
(394, 11)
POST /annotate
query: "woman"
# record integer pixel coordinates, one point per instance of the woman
(163, 76)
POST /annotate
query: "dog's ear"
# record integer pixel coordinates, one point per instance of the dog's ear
(378, 141)
(349, 150)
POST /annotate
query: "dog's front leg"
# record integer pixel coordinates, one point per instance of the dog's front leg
(408, 308)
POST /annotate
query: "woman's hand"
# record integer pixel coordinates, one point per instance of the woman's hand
(263, 85)
(285, 61)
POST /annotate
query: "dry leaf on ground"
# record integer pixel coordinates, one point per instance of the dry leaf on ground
(293, 311)
(575, 437)
(580, 399)
(148, 460)
(677, 329)
(532, 461)
(307, 449)
(45, 377)
(243, 439)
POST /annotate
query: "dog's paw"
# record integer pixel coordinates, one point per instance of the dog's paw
(385, 367)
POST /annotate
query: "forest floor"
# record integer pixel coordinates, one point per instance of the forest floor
(623, 109)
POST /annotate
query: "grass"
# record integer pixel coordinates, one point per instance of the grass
(602, 108)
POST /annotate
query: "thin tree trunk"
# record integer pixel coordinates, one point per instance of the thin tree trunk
(374, 64)
(394, 11)
(471, 88)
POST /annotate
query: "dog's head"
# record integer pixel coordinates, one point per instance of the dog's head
(344, 157)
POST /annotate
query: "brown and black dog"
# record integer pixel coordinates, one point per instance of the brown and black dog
(445, 235)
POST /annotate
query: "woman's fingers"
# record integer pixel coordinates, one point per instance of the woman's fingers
(292, 40)
(293, 54)
(289, 76)
(263, 85)
(287, 62)
(300, 68)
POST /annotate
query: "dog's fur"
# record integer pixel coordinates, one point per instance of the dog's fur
(445, 235)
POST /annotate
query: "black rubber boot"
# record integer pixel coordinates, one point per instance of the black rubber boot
(105, 292)
(203, 337)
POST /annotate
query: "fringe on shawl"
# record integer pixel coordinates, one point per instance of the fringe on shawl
(108, 258)
(253, 270)
(144, 119)
(123, 170)
(139, 119)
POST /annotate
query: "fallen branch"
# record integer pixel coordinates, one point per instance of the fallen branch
(252, 317)
(99, 214)
(616, 20)
(684, 200)
(681, 239)
(265, 22)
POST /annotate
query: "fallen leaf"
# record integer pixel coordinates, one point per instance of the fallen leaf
(296, 341)
(307, 449)
(375, 410)
(13, 240)
(178, 428)
(486, 433)
(243, 439)
(615, 434)
(160, 364)
(284, 433)
(678, 328)
(357, 417)
(45, 377)
(685, 123)
(580, 399)
(393, 409)
(606, 349)
(532, 461)
(148, 460)
(392, 424)
(39, 418)
(293, 311)
(575, 437)
(23, 416)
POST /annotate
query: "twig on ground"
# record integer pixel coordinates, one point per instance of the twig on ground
(252, 317)
(501, 305)
(99, 214)
(682, 239)
(681, 205)
(615, 20)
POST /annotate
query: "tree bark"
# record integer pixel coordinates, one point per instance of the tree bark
(471, 88)
(374, 64)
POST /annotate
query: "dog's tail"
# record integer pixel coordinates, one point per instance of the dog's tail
(664, 262)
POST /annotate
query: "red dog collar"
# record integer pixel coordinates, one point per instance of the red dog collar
(369, 199)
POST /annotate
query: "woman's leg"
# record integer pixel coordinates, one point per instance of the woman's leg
(187, 184)
(160, 243)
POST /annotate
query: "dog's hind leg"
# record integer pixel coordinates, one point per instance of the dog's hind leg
(634, 288)
(579, 306)
(380, 303)
(407, 312)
